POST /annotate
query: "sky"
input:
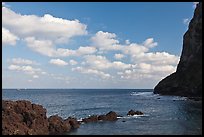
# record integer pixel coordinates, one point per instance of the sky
(91, 44)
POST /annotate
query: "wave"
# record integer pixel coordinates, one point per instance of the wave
(134, 116)
(147, 94)
(179, 98)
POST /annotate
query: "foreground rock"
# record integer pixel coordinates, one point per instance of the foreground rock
(187, 80)
(132, 112)
(24, 118)
(111, 116)
(58, 126)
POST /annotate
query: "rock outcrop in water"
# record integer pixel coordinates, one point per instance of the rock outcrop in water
(132, 112)
(110, 116)
(24, 118)
(187, 80)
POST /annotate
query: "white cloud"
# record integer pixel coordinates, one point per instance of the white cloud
(120, 65)
(85, 50)
(157, 58)
(21, 61)
(44, 47)
(101, 63)
(97, 62)
(73, 62)
(58, 62)
(8, 38)
(145, 64)
(127, 42)
(26, 69)
(43, 34)
(149, 43)
(47, 48)
(134, 49)
(14, 67)
(105, 41)
(186, 21)
(64, 52)
(92, 71)
(146, 71)
(45, 27)
(119, 56)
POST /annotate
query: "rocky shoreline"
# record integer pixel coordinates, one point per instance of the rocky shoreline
(25, 118)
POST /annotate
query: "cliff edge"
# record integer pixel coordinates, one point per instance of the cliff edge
(187, 80)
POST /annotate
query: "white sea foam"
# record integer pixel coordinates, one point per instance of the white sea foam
(134, 116)
(147, 94)
(179, 98)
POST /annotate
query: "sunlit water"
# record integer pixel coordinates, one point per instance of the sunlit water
(163, 115)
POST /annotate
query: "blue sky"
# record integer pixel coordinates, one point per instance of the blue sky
(91, 45)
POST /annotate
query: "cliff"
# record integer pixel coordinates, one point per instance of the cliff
(187, 80)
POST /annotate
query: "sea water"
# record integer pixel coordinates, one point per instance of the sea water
(163, 115)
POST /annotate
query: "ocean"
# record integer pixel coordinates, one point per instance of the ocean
(163, 115)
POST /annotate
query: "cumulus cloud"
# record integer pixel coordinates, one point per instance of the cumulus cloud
(85, 50)
(157, 58)
(45, 27)
(134, 49)
(105, 41)
(147, 71)
(43, 34)
(101, 63)
(144, 64)
(120, 65)
(26, 69)
(44, 47)
(8, 38)
(149, 43)
(97, 62)
(119, 56)
(21, 61)
(58, 62)
(127, 42)
(47, 48)
(101, 74)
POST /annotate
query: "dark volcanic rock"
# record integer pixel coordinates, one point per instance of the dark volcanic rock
(102, 117)
(187, 80)
(57, 125)
(73, 122)
(110, 116)
(93, 118)
(24, 118)
(132, 112)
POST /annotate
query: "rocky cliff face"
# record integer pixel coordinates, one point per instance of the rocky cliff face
(187, 80)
